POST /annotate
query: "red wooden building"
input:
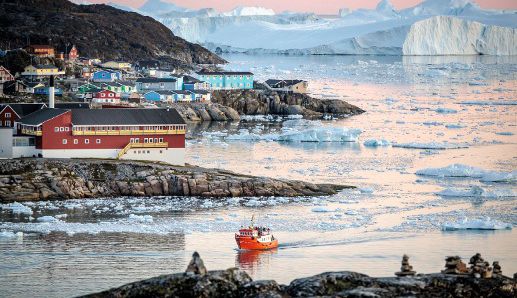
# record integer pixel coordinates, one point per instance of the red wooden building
(5, 75)
(139, 134)
(106, 96)
(40, 50)
(68, 53)
(12, 112)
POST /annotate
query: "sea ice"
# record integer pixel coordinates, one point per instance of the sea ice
(431, 145)
(322, 209)
(376, 143)
(141, 218)
(445, 111)
(10, 234)
(476, 224)
(477, 192)
(47, 218)
(460, 170)
(17, 208)
(505, 133)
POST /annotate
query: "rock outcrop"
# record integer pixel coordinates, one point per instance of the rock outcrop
(45, 179)
(264, 102)
(236, 283)
(197, 112)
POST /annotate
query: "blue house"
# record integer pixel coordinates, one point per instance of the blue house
(227, 79)
(164, 96)
(155, 84)
(106, 76)
(44, 91)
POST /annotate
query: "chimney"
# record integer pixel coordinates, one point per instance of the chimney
(51, 92)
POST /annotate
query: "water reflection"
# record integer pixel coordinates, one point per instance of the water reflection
(254, 260)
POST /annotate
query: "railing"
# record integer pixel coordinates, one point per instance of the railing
(127, 132)
(141, 145)
(32, 132)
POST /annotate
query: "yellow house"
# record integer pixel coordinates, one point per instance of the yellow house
(116, 65)
(41, 71)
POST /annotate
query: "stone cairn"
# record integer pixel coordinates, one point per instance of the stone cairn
(454, 265)
(497, 269)
(405, 269)
(479, 267)
(196, 265)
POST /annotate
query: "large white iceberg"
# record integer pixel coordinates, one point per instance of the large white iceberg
(476, 224)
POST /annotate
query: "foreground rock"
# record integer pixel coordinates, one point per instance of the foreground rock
(45, 179)
(264, 102)
(236, 283)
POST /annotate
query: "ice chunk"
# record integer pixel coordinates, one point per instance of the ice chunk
(454, 126)
(322, 209)
(454, 170)
(47, 219)
(476, 224)
(476, 191)
(17, 208)
(328, 134)
(492, 176)
(376, 143)
(140, 218)
(10, 234)
(445, 111)
(431, 145)
(505, 133)
(366, 190)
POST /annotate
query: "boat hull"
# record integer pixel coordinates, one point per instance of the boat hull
(250, 243)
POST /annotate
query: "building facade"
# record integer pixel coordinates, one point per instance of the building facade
(40, 50)
(138, 134)
(106, 76)
(106, 96)
(226, 80)
(5, 75)
(156, 84)
(293, 86)
(41, 71)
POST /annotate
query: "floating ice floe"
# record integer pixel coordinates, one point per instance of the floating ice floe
(10, 234)
(366, 190)
(376, 143)
(454, 126)
(17, 208)
(490, 102)
(505, 133)
(460, 170)
(431, 145)
(322, 209)
(140, 218)
(476, 192)
(445, 111)
(47, 219)
(476, 224)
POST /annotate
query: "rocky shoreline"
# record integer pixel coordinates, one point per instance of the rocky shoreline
(33, 179)
(198, 282)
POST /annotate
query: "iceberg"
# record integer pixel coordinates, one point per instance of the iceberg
(476, 192)
(460, 170)
(140, 218)
(376, 143)
(476, 224)
(322, 209)
(17, 208)
(47, 218)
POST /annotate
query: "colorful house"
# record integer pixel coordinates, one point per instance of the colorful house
(160, 95)
(119, 87)
(12, 112)
(182, 95)
(106, 96)
(227, 79)
(293, 86)
(68, 53)
(40, 50)
(191, 83)
(106, 76)
(41, 71)
(137, 134)
(200, 95)
(5, 75)
(44, 90)
(155, 84)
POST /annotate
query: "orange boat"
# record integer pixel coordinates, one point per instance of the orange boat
(255, 238)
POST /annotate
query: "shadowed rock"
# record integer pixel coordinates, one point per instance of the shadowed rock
(196, 265)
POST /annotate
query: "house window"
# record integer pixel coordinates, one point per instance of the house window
(7, 115)
(98, 141)
(156, 140)
(137, 140)
(64, 141)
(111, 94)
(76, 141)
(161, 140)
(61, 129)
(146, 140)
(56, 129)
(7, 122)
(148, 152)
(150, 140)
(67, 128)
(87, 141)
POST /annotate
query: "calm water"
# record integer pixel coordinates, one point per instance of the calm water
(467, 102)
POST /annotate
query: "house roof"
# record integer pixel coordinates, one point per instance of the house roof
(205, 72)
(181, 92)
(282, 83)
(156, 80)
(72, 105)
(126, 117)
(42, 115)
(23, 109)
(190, 80)
(200, 91)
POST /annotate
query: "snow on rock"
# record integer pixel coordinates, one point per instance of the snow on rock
(376, 143)
(446, 35)
(140, 218)
(476, 224)
(17, 208)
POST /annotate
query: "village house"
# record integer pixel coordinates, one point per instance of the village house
(40, 50)
(88, 61)
(182, 95)
(5, 75)
(67, 53)
(106, 96)
(106, 76)
(292, 86)
(200, 95)
(44, 90)
(119, 87)
(38, 72)
(225, 80)
(117, 65)
(155, 84)
(137, 134)
(12, 112)
(159, 95)
(191, 83)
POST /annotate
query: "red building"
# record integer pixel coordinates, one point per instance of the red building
(139, 134)
(106, 96)
(40, 50)
(68, 53)
(5, 75)
(12, 112)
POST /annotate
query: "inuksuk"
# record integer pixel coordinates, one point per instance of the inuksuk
(479, 267)
(454, 265)
(405, 269)
(497, 269)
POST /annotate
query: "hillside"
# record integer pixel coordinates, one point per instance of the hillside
(97, 30)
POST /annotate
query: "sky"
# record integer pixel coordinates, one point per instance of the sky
(316, 6)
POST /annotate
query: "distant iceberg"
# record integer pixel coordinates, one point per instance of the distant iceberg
(431, 145)
(476, 224)
(460, 170)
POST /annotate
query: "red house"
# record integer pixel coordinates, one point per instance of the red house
(5, 75)
(68, 53)
(139, 134)
(12, 112)
(106, 96)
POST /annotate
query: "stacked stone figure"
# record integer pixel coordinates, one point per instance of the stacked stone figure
(405, 269)
(497, 269)
(454, 265)
(479, 267)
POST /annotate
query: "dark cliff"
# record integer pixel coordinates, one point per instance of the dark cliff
(98, 31)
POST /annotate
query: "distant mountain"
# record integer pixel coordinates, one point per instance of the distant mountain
(99, 31)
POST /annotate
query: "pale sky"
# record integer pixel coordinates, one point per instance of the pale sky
(317, 6)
